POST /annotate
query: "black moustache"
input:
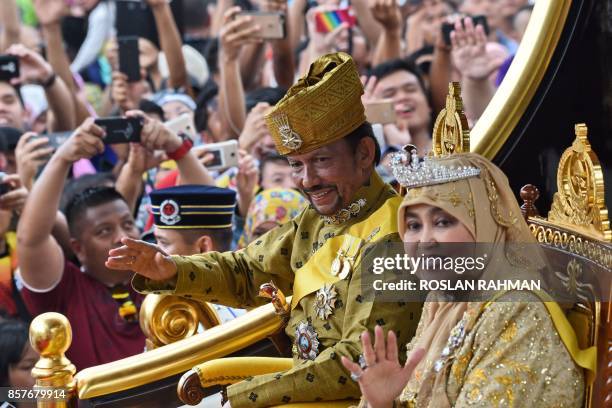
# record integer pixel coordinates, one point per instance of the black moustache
(317, 189)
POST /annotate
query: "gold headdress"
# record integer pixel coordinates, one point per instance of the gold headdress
(322, 107)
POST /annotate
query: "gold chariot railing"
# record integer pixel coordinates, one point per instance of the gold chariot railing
(577, 227)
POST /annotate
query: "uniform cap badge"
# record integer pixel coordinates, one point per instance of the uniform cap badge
(169, 212)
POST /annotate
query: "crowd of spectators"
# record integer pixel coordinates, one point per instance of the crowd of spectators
(68, 197)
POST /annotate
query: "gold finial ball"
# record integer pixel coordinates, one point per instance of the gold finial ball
(50, 334)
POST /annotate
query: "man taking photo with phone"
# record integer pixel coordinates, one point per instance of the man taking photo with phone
(98, 218)
(33, 69)
(28, 68)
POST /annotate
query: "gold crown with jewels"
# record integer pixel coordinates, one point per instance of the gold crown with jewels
(411, 172)
(451, 135)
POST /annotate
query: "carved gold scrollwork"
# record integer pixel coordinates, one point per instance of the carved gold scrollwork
(578, 224)
(597, 252)
(579, 200)
(165, 319)
(451, 133)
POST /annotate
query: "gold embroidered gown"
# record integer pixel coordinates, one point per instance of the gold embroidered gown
(507, 350)
(297, 257)
(509, 355)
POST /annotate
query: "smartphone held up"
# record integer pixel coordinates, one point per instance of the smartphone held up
(121, 130)
(382, 111)
(183, 124)
(273, 26)
(129, 61)
(225, 154)
(9, 67)
(55, 139)
(447, 28)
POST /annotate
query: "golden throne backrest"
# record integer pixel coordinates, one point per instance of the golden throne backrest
(577, 231)
(577, 222)
(579, 203)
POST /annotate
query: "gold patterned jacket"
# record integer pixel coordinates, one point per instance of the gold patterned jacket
(501, 354)
(328, 310)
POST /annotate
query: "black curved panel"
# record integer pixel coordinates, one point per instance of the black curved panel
(572, 91)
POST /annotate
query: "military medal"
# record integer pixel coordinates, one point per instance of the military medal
(325, 301)
(339, 263)
(346, 269)
(336, 265)
(342, 266)
(306, 341)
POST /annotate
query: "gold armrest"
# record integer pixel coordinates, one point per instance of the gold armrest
(225, 371)
(231, 370)
(218, 341)
(323, 404)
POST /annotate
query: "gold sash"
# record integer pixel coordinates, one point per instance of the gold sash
(317, 271)
(585, 358)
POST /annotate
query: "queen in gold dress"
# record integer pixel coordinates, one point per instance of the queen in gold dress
(502, 353)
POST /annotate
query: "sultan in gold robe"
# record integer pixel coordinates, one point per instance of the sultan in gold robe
(298, 258)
